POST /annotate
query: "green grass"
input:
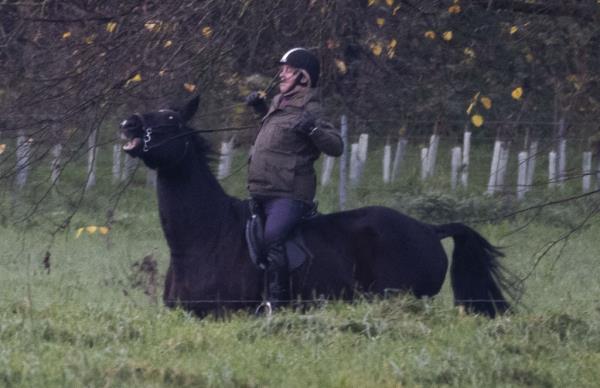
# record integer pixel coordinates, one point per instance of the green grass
(89, 322)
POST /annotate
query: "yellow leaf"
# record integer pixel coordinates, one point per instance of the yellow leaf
(389, 2)
(66, 35)
(454, 9)
(447, 36)
(517, 93)
(391, 52)
(111, 26)
(153, 25)
(136, 78)
(514, 29)
(430, 34)
(78, 233)
(207, 32)
(380, 22)
(376, 49)
(189, 87)
(103, 230)
(477, 120)
(395, 11)
(168, 43)
(392, 43)
(486, 102)
(469, 52)
(91, 229)
(372, 2)
(341, 65)
(89, 39)
(2, 148)
(529, 57)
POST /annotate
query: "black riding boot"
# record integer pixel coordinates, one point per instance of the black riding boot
(278, 276)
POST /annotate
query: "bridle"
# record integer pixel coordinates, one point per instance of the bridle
(150, 130)
(173, 115)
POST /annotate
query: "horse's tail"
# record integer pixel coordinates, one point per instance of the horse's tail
(478, 280)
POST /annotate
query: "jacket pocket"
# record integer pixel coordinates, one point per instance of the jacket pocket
(273, 171)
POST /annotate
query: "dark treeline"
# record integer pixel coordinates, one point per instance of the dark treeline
(69, 67)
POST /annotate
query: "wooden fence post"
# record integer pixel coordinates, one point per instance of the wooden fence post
(343, 162)
(598, 173)
(116, 164)
(399, 156)
(552, 169)
(225, 158)
(363, 145)
(328, 163)
(455, 163)
(23, 153)
(562, 152)
(503, 165)
(387, 159)
(55, 165)
(424, 166)
(91, 165)
(533, 150)
(464, 176)
(494, 167)
(522, 175)
(586, 171)
(434, 142)
(354, 164)
(358, 158)
(129, 167)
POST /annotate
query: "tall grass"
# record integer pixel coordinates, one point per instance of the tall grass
(88, 316)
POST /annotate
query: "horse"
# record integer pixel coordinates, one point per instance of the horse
(369, 250)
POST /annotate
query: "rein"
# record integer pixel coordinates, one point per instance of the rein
(148, 134)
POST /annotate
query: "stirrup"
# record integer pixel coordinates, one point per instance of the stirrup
(266, 307)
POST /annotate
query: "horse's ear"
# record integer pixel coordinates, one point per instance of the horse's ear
(189, 110)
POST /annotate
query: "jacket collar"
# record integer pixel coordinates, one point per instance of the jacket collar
(297, 97)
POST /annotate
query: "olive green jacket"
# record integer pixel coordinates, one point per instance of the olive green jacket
(281, 163)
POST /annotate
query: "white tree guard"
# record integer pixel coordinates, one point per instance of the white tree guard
(386, 163)
(455, 166)
(464, 175)
(552, 169)
(586, 171)
(399, 157)
(522, 174)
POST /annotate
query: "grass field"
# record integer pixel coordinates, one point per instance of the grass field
(92, 317)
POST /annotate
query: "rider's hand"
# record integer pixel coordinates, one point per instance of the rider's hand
(255, 98)
(257, 101)
(307, 122)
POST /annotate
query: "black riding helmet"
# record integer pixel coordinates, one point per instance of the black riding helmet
(301, 58)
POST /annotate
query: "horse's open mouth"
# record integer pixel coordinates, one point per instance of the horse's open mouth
(132, 144)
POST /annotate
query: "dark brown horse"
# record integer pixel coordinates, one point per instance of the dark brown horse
(371, 249)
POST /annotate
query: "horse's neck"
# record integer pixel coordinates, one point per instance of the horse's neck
(192, 204)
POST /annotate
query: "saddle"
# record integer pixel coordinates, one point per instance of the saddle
(296, 250)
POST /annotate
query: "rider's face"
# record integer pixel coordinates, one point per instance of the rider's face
(287, 78)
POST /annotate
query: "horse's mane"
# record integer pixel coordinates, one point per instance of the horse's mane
(203, 148)
(204, 151)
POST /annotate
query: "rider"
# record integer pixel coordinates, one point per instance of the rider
(281, 175)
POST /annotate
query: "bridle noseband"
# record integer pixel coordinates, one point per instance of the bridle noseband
(149, 130)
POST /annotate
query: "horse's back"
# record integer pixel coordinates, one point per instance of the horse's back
(379, 248)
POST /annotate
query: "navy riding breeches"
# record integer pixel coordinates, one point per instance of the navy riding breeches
(281, 216)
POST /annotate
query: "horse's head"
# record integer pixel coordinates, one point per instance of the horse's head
(160, 138)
